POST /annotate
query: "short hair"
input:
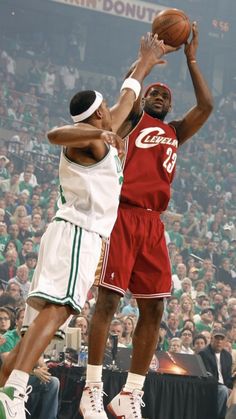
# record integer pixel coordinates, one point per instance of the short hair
(19, 311)
(188, 330)
(28, 240)
(11, 314)
(82, 101)
(31, 255)
(199, 336)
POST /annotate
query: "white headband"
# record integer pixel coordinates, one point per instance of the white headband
(86, 114)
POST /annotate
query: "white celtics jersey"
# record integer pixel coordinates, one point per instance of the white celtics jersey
(89, 195)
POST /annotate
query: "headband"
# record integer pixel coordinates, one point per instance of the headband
(157, 84)
(92, 108)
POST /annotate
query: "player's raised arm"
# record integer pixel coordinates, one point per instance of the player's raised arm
(197, 116)
(150, 54)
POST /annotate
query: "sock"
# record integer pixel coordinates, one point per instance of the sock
(134, 382)
(19, 380)
(94, 374)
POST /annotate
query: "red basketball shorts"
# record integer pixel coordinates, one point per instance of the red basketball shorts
(136, 256)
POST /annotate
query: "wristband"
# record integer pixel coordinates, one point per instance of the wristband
(132, 84)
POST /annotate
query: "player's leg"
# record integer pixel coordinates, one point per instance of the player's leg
(91, 404)
(40, 334)
(105, 308)
(113, 275)
(149, 283)
(145, 338)
(146, 334)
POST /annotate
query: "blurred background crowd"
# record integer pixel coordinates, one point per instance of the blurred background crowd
(40, 69)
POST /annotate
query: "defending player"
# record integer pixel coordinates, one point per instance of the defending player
(90, 181)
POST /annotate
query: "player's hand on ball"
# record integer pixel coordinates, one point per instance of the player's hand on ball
(191, 47)
(115, 141)
(169, 48)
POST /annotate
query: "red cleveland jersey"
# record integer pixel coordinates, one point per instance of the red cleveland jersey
(149, 164)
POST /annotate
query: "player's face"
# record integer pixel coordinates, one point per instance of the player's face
(157, 103)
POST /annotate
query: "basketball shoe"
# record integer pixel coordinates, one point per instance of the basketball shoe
(12, 403)
(127, 405)
(91, 404)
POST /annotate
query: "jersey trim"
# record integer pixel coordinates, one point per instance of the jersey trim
(81, 166)
(48, 298)
(112, 287)
(74, 261)
(159, 295)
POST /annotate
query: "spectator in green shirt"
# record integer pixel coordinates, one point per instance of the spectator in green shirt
(175, 235)
(206, 321)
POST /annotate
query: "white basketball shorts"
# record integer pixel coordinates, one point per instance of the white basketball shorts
(68, 259)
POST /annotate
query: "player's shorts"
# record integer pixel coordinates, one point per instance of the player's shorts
(67, 262)
(136, 256)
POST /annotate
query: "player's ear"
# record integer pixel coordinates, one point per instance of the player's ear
(98, 113)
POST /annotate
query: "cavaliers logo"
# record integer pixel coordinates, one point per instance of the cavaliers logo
(153, 136)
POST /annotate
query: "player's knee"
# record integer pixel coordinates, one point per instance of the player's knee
(151, 309)
(107, 302)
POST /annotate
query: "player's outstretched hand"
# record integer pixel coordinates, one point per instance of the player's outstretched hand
(192, 46)
(151, 50)
(115, 141)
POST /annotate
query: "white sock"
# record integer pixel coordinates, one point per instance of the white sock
(94, 374)
(19, 380)
(134, 382)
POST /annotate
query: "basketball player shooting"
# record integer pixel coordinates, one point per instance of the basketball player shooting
(136, 256)
(91, 176)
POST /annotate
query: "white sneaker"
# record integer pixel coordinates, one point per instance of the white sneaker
(12, 403)
(127, 405)
(91, 404)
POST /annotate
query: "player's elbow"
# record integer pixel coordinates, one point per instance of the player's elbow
(53, 136)
(209, 104)
(207, 107)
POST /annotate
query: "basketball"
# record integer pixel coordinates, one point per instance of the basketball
(172, 26)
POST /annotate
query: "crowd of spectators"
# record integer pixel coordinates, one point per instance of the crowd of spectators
(200, 220)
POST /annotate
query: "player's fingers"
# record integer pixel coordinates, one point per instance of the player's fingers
(142, 42)
(195, 30)
(195, 26)
(155, 37)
